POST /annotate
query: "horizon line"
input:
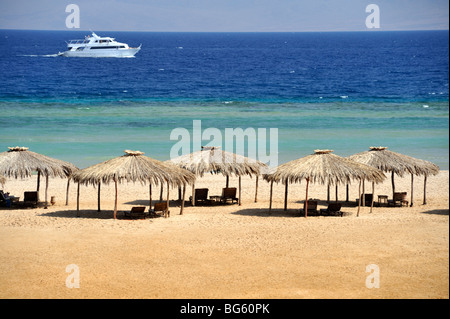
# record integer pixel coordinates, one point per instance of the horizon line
(315, 31)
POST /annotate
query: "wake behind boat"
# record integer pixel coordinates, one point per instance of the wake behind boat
(98, 47)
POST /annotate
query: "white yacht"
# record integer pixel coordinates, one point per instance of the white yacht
(98, 47)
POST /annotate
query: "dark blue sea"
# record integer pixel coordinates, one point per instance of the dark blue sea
(344, 91)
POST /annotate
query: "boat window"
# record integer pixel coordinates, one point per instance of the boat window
(105, 47)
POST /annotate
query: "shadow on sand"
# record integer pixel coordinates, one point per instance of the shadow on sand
(84, 213)
(443, 212)
(264, 212)
(146, 202)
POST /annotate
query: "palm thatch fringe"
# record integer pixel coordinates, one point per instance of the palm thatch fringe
(19, 162)
(396, 163)
(216, 161)
(133, 167)
(388, 161)
(324, 168)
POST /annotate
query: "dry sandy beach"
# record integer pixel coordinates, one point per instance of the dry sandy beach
(226, 251)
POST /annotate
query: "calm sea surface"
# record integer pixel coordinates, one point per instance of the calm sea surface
(341, 91)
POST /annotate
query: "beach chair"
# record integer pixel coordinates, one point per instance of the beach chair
(4, 199)
(201, 196)
(333, 209)
(399, 200)
(228, 194)
(31, 198)
(137, 212)
(367, 199)
(312, 208)
(160, 209)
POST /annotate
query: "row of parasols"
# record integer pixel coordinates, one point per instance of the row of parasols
(322, 167)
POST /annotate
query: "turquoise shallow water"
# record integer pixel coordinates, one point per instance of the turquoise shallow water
(86, 133)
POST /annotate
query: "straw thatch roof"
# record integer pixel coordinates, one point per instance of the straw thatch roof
(2, 180)
(325, 168)
(132, 167)
(214, 160)
(19, 162)
(389, 161)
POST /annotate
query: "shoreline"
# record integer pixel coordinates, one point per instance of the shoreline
(226, 251)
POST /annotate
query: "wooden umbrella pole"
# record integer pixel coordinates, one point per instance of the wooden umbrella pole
(306, 199)
(412, 189)
(38, 182)
(240, 190)
(328, 193)
(46, 190)
(337, 192)
(227, 182)
(285, 195)
(346, 191)
(193, 194)
(256, 189)
(78, 200)
(271, 192)
(161, 192)
(167, 198)
(115, 202)
(67, 191)
(364, 192)
(373, 196)
(359, 196)
(393, 184)
(98, 196)
(150, 194)
(425, 190)
(182, 200)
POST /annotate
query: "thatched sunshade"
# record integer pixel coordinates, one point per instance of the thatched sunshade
(2, 180)
(324, 168)
(216, 161)
(396, 163)
(133, 167)
(19, 162)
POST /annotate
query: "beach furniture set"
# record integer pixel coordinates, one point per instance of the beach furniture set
(201, 197)
(138, 212)
(333, 209)
(31, 199)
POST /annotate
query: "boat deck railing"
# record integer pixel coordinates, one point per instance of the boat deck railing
(78, 41)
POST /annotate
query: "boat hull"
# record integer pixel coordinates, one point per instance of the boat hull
(113, 53)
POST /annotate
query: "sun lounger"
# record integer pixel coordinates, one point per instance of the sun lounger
(137, 212)
(201, 196)
(399, 200)
(312, 208)
(4, 199)
(31, 198)
(334, 209)
(160, 209)
(367, 199)
(228, 194)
